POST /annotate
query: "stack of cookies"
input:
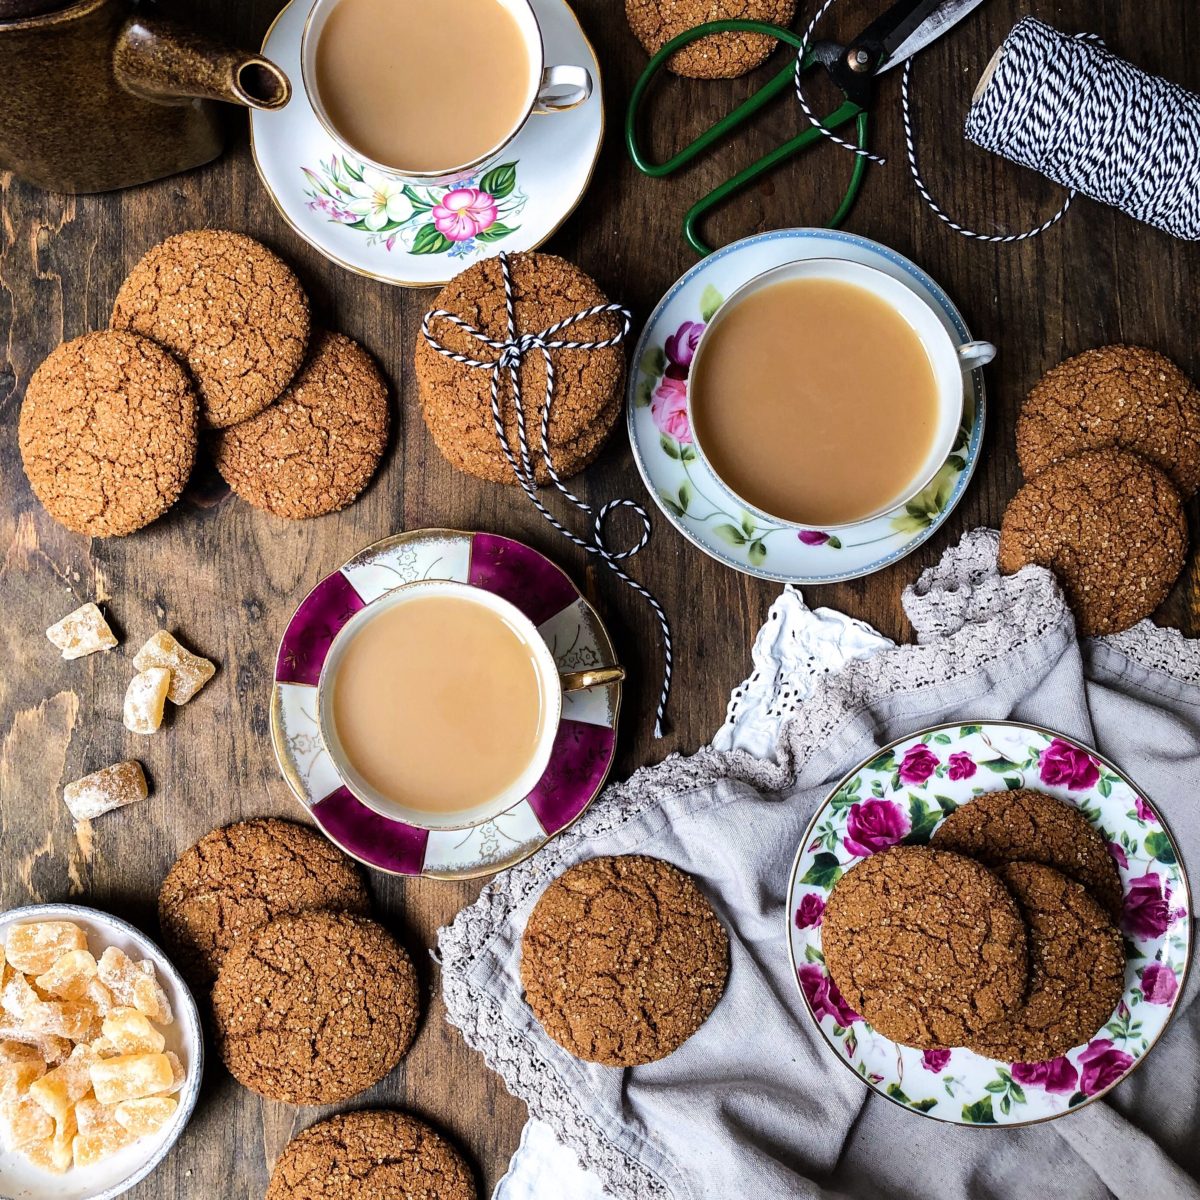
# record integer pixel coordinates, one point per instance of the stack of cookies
(1110, 443)
(1000, 936)
(588, 384)
(211, 331)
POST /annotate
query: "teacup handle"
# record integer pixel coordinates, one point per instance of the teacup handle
(576, 681)
(975, 354)
(577, 82)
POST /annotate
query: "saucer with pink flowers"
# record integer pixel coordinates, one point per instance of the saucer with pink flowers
(901, 795)
(415, 236)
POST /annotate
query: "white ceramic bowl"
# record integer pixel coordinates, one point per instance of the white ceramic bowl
(19, 1179)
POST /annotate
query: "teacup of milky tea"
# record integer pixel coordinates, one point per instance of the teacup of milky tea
(439, 704)
(431, 90)
(824, 393)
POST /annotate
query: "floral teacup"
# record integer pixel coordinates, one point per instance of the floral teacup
(548, 89)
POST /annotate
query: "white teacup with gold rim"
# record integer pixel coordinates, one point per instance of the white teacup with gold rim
(431, 91)
(439, 704)
(824, 393)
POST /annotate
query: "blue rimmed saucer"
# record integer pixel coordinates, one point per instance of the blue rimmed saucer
(697, 503)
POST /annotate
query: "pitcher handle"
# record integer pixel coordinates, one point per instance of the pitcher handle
(975, 354)
(563, 88)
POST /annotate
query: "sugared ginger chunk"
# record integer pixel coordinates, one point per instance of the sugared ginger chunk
(145, 699)
(189, 672)
(102, 791)
(34, 948)
(82, 632)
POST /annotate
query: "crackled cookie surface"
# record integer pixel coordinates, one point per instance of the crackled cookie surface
(622, 960)
(243, 875)
(370, 1155)
(108, 433)
(928, 946)
(1076, 969)
(312, 1009)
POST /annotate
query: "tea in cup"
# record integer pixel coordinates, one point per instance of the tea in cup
(431, 90)
(439, 704)
(824, 393)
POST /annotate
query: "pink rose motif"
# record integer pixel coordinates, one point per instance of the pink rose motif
(1144, 812)
(1057, 1075)
(874, 825)
(681, 345)
(1102, 1064)
(962, 766)
(918, 764)
(813, 537)
(823, 996)
(810, 911)
(1159, 984)
(1146, 914)
(935, 1060)
(668, 408)
(1064, 765)
(463, 213)
(1118, 855)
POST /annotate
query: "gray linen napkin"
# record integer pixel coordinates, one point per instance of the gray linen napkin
(754, 1105)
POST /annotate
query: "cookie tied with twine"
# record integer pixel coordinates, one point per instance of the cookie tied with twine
(497, 340)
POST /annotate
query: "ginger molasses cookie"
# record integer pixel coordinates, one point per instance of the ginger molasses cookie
(1123, 396)
(719, 56)
(317, 446)
(928, 946)
(108, 433)
(243, 875)
(232, 310)
(456, 399)
(1076, 969)
(1028, 826)
(313, 1008)
(374, 1154)
(1110, 525)
(623, 959)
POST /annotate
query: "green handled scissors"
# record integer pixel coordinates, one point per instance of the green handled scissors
(905, 28)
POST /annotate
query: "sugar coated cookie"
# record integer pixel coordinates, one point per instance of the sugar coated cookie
(108, 433)
(623, 959)
(314, 1008)
(317, 446)
(1110, 525)
(232, 310)
(928, 946)
(370, 1155)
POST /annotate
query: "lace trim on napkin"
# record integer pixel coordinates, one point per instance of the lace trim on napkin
(1159, 649)
(966, 615)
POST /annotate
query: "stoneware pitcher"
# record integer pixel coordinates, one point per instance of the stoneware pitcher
(103, 94)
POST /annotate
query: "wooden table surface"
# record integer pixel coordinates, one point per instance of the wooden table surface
(227, 576)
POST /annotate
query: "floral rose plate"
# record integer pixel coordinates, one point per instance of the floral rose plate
(583, 750)
(901, 795)
(697, 503)
(416, 236)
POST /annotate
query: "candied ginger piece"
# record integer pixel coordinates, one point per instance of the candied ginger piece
(18, 998)
(76, 1020)
(145, 699)
(189, 672)
(23, 1121)
(91, 1115)
(82, 632)
(34, 948)
(54, 1154)
(131, 1032)
(133, 987)
(50, 1049)
(100, 994)
(145, 1115)
(102, 791)
(131, 1076)
(90, 1148)
(12, 1051)
(16, 1077)
(68, 978)
(59, 1089)
(178, 1071)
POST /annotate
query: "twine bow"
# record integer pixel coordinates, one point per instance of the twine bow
(510, 353)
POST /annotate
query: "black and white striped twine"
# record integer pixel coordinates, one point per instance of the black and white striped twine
(510, 352)
(1067, 107)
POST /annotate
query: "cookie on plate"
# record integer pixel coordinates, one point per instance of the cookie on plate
(623, 959)
(373, 1154)
(719, 56)
(107, 433)
(1076, 969)
(243, 875)
(314, 1008)
(1110, 525)
(456, 399)
(1123, 396)
(232, 310)
(316, 448)
(1024, 825)
(928, 946)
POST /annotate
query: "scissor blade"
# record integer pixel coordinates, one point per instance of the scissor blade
(946, 15)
